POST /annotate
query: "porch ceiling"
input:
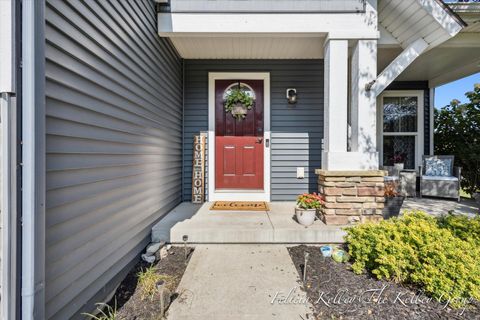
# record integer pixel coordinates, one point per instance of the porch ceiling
(244, 47)
(444, 64)
(454, 47)
(452, 60)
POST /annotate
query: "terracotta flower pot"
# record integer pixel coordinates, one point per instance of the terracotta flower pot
(305, 217)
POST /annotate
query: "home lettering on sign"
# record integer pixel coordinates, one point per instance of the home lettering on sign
(198, 172)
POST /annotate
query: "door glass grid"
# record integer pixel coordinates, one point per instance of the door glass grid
(400, 131)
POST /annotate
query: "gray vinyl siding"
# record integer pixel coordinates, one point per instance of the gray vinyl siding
(114, 134)
(297, 130)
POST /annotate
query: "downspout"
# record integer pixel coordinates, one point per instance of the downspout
(33, 154)
(432, 120)
(9, 206)
(183, 130)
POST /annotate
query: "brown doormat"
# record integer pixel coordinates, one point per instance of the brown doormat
(240, 206)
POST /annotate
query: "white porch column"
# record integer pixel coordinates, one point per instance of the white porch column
(363, 154)
(364, 106)
(335, 102)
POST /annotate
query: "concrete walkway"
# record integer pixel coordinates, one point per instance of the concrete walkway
(438, 207)
(239, 282)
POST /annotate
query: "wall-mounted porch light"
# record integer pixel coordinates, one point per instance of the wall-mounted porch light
(292, 95)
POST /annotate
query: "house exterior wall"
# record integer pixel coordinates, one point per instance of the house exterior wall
(114, 133)
(297, 131)
(423, 86)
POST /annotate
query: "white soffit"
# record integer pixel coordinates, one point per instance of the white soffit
(386, 39)
(242, 47)
(408, 20)
(448, 62)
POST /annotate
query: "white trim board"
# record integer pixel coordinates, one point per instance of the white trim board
(240, 195)
(419, 135)
(337, 26)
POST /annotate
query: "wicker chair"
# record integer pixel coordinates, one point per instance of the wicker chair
(444, 186)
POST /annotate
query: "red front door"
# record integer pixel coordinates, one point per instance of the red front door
(239, 143)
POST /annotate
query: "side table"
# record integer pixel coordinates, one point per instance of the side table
(408, 183)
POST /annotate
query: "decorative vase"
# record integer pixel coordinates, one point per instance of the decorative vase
(326, 251)
(398, 167)
(340, 255)
(305, 217)
(392, 206)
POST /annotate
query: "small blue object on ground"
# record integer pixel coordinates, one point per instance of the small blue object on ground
(326, 251)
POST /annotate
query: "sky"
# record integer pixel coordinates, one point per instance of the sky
(455, 90)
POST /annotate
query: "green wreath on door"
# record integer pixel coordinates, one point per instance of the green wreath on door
(238, 103)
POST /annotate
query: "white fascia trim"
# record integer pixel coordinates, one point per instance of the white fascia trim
(241, 195)
(398, 65)
(348, 26)
(443, 18)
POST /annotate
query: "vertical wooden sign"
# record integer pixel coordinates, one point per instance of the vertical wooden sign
(198, 172)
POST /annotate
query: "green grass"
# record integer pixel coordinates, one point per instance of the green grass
(148, 280)
(104, 312)
(465, 195)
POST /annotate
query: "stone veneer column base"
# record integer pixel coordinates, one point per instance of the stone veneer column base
(351, 196)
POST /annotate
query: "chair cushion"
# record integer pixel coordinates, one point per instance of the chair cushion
(391, 178)
(440, 178)
(438, 167)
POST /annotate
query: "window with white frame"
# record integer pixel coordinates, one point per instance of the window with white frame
(401, 128)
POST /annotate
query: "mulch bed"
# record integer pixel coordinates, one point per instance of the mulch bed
(327, 279)
(128, 300)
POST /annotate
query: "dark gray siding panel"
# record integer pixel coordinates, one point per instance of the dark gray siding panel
(296, 130)
(114, 135)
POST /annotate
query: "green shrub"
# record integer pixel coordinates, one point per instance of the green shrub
(465, 228)
(415, 249)
(457, 126)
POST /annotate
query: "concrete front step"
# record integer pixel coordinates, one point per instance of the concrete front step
(202, 225)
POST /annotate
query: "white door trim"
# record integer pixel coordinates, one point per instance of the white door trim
(419, 135)
(238, 195)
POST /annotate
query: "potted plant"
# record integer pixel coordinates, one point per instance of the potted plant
(393, 201)
(238, 102)
(307, 207)
(398, 162)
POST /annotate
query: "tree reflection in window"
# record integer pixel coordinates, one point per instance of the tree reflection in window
(239, 85)
(400, 114)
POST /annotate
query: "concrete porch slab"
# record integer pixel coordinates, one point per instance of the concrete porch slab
(184, 211)
(277, 225)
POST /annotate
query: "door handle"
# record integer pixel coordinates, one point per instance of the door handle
(259, 140)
